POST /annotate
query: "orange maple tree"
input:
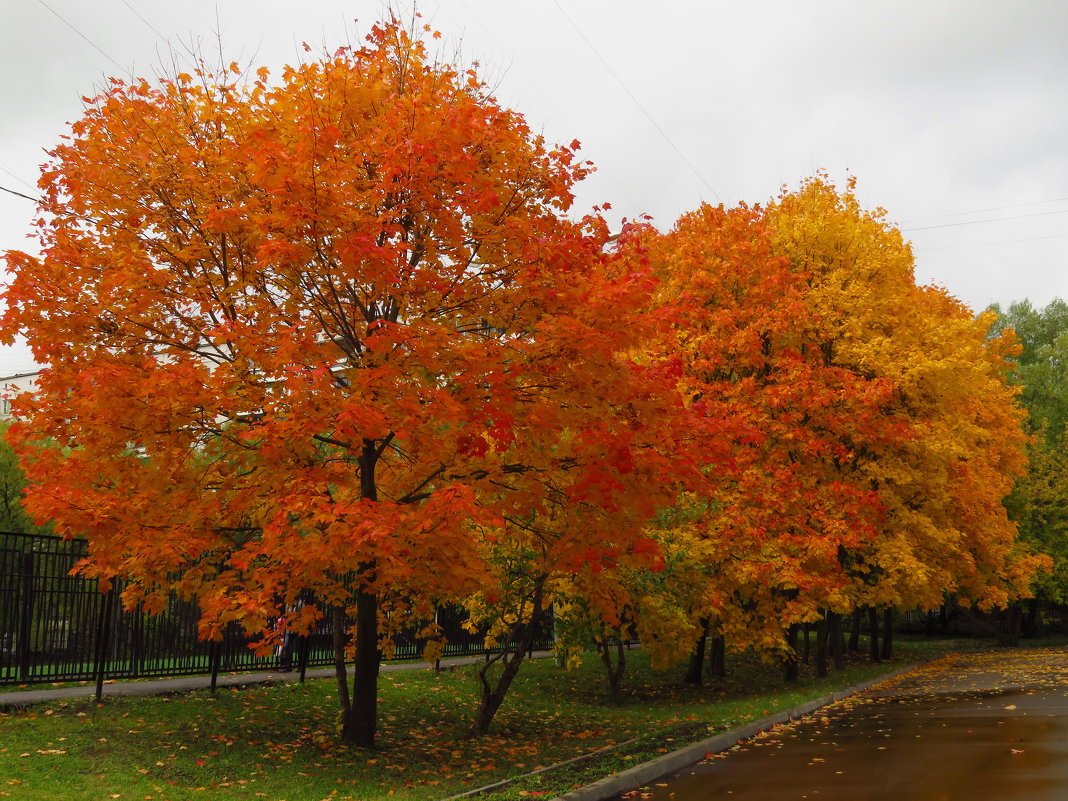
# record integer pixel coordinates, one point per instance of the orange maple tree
(778, 512)
(616, 421)
(314, 335)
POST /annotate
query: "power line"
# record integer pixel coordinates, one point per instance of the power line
(86, 38)
(637, 102)
(549, 103)
(991, 219)
(149, 24)
(986, 244)
(17, 177)
(18, 194)
(994, 208)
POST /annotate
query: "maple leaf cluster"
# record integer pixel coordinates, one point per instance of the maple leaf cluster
(335, 337)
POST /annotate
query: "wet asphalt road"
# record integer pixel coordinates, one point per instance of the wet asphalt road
(986, 731)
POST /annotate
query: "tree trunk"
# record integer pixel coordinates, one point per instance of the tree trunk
(834, 633)
(494, 692)
(360, 719)
(717, 659)
(358, 726)
(605, 646)
(1030, 623)
(790, 661)
(888, 633)
(337, 623)
(806, 649)
(1009, 631)
(821, 647)
(854, 630)
(873, 633)
(695, 672)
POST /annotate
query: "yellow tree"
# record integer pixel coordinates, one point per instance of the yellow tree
(942, 481)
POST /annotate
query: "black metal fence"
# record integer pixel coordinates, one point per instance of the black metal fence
(58, 627)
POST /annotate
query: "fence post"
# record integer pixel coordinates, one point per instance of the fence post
(305, 648)
(26, 624)
(103, 640)
(137, 636)
(214, 657)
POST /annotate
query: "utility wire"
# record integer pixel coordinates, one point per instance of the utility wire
(149, 24)
(17, 177)
(86, 38)
(548, 102)
(991, 219)
(999, 242)
(18, 194)
(637, 102)
(995, 208)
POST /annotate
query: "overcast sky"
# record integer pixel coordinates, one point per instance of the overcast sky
(953, 114)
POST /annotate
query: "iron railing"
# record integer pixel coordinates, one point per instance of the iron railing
(55, 627)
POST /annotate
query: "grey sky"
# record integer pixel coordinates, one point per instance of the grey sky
(947, 111)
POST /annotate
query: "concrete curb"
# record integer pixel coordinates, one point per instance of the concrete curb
(657, 768)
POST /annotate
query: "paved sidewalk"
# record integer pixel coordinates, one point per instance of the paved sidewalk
(22, 698)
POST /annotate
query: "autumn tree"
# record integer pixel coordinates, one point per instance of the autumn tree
(615, 422)
(298, 335)
(941, 482)
(649, 605)
(872, 435)
(779, 507)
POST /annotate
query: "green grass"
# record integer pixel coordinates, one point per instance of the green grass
(277, 742)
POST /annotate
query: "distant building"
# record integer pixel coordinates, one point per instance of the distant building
(11, 385)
